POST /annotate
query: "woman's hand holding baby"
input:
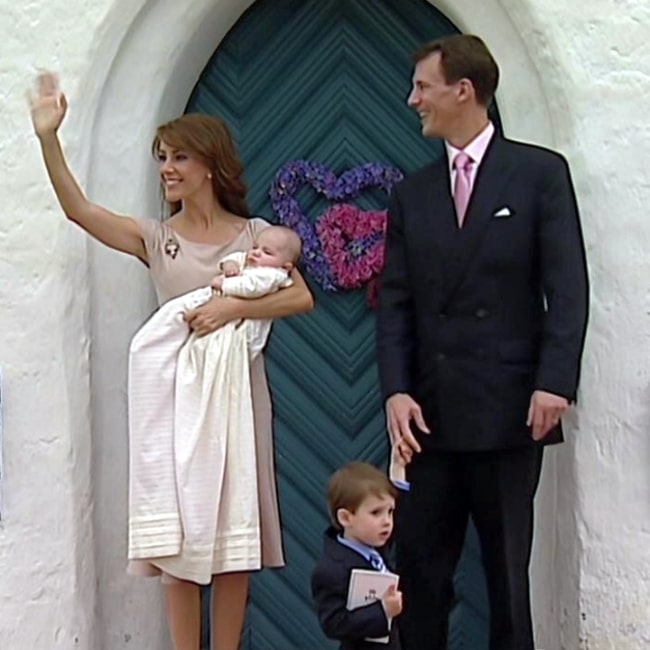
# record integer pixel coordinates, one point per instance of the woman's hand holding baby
(213, 314)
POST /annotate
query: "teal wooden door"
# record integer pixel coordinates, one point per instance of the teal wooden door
(325, 80)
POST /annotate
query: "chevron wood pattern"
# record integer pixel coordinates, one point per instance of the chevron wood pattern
(324, 80)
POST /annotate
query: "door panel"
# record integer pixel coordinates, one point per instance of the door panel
(324, 80)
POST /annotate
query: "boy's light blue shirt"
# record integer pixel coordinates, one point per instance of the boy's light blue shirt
(371, 554)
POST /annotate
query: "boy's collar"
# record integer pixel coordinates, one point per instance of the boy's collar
(363, 549)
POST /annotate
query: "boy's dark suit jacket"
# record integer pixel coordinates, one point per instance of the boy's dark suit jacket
(471, 321)
(329, 585)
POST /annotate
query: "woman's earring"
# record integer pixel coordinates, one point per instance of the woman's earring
(210, 175)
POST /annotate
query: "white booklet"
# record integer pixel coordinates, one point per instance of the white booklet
(365, 587)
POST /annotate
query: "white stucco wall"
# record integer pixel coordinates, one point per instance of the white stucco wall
(575, 76)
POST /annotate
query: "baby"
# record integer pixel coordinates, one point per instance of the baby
(263, 269)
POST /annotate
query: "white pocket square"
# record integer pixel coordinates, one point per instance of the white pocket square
(503, 212)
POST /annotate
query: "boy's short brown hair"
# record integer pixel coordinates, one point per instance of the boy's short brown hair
(350, 485)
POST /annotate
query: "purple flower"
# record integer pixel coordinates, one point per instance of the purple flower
(344, 249)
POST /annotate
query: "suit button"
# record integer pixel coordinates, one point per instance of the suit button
(482, 313)
(442, 315)
(441, 356)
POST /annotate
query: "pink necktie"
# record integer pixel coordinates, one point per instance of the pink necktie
(462, 185)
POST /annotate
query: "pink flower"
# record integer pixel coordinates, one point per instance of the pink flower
(353, 243)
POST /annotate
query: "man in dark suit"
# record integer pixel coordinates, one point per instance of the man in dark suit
(480, 329)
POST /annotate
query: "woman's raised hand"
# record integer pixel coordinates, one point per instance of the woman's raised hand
(48, 104)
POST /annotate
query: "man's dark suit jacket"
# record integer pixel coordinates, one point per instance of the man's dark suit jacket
(329, 585)
(471, 321)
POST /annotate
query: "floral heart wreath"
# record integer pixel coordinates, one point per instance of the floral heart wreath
(344, 248)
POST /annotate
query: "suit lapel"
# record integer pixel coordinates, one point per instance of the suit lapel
(492, 177)
(439, 206)
(436, 225)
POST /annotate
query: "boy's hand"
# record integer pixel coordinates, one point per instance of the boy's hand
(230, 268)
(392, 602)
(401, 453)
(400, 456)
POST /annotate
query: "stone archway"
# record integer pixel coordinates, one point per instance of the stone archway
(148, 58)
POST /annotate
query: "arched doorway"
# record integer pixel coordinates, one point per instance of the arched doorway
(325, 82)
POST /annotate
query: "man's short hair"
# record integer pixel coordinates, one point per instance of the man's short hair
(350, 485)
(465, 56)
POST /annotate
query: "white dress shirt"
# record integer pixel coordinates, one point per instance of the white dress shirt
(475, 150)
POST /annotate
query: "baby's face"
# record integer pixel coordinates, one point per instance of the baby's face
(270, 249)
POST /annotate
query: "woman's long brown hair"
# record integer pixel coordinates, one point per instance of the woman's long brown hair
(209, 139)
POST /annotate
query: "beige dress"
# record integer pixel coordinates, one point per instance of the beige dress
(177, 266)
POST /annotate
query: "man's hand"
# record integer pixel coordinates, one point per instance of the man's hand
(545, 412)
(400, 410)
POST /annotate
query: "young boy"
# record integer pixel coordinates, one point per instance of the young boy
(361, 501)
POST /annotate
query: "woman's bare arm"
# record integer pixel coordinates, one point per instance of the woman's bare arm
(48, 108)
